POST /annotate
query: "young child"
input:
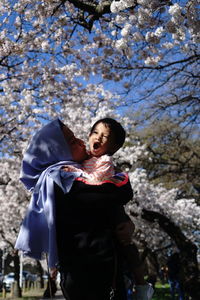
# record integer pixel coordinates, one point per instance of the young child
(106, 137)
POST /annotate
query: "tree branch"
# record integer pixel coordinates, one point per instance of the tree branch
(92, 7)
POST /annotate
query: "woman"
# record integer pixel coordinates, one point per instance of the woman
(72, 221)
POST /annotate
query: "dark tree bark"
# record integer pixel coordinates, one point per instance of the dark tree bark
(188, 252)
(40, 271)
(17, 293)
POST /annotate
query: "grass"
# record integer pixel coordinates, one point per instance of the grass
(161, 292)
(32, 294)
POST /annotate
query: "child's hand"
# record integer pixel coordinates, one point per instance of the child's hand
(117, 170)
(53, 273)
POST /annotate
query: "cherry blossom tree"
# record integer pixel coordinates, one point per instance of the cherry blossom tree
(157, 213)
(13, 202)
(45, 46)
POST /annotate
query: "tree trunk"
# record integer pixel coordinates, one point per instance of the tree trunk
(188, 252)
(17, 293)
(40, 271)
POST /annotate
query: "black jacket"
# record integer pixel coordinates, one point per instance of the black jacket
(85, 220)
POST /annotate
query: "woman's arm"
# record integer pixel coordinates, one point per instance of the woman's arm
(109, 191)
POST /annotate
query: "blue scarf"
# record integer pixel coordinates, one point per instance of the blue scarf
(47, 152)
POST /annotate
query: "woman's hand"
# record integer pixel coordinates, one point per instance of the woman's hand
(70, 169)
(53, 273)
(124, 232)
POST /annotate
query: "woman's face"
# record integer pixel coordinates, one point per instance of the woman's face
(77, 146)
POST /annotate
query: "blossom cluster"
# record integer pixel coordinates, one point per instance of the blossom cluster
(184, 213)
(179, 20)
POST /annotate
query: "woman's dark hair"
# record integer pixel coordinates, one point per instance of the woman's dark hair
(115, 127)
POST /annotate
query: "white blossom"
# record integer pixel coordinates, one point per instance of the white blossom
(152, 60)
(125, 31)
(151, 37)
(168, 45)
(159, 31)
(121, 44)
(45, 45)
(117, 6)
(137, 37)
(175, 9)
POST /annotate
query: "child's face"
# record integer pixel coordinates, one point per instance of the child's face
(77, 146)
(101, 140)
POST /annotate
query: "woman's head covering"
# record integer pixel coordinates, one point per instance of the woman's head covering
(41, 169)
(47, 147)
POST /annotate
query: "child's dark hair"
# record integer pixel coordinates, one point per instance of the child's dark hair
(115, 127)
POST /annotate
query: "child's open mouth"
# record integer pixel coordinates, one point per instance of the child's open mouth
(96, 146)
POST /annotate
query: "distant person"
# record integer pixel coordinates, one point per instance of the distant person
(174, 276)
(163, 275)
(152, 278)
